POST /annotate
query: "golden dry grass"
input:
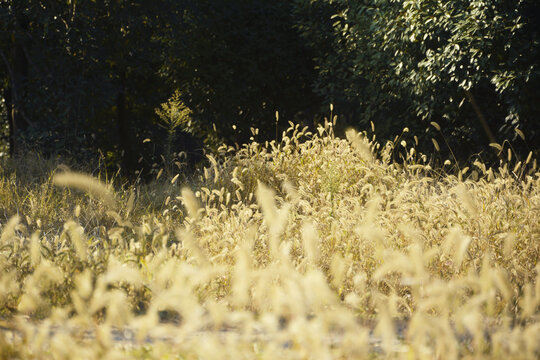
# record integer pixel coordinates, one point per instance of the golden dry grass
(314, 247)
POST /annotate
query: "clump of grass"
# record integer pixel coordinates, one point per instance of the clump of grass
(314, 245)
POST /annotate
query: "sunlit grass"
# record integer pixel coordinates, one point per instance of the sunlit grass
(313, 247)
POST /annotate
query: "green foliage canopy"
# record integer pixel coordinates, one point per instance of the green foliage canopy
(401, 62)
(81, 77)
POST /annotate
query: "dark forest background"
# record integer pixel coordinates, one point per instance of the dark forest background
(136, 81)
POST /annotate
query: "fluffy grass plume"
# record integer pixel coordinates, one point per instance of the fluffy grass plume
(85, 183)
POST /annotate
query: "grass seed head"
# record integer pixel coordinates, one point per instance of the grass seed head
(190, 202)
(85, 183)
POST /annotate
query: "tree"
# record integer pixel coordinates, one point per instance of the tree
(76, 72)
(237, 62)
(15, 41)
(472, 66)
(96, 71)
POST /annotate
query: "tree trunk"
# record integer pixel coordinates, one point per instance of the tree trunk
(9, 107)
(17, 88)
(481, 117)
(123, 128)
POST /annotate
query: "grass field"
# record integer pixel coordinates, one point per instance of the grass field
(314, 248)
